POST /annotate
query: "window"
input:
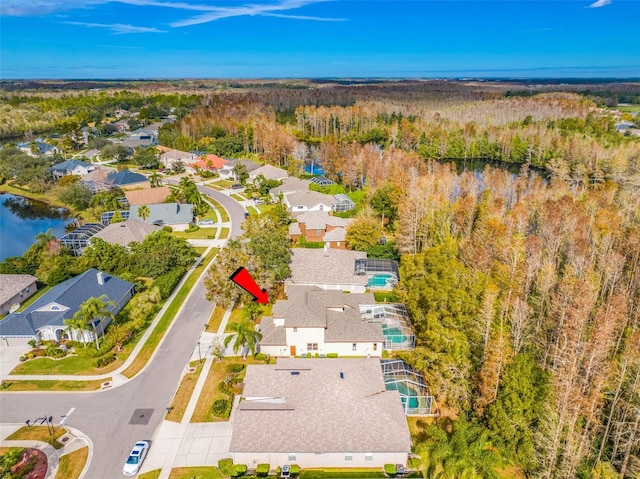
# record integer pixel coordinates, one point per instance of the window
(27, 290)
(292, 457)
(375, 346)
(318, 232)
(348, 457)
(354, 346)
(312, 346)
(55, 308)
(368, 456)
(337, 243)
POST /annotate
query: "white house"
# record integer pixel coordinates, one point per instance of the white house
(319, 413)
(171, 156)
(313, 321)
(269, 172)
(71, 167)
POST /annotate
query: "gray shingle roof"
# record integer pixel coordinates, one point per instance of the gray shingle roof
(270, 172)
(331, 267)
(317, 411)
(12, 284)
(166, 213)
(126, 232)
(125, 177)
(69, 165)
(68, 294)
(309, 198)
(272, 335)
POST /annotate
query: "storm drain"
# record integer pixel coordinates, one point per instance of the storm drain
(141, 417)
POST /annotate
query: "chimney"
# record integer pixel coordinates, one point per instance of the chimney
(100, 276)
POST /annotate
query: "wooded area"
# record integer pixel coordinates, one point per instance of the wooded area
(521, 272)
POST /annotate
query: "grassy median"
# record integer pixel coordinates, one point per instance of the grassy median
(71, 465)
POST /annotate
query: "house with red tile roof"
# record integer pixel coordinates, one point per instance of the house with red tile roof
(210, 162)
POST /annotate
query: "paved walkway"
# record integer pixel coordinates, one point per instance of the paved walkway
(73, 440)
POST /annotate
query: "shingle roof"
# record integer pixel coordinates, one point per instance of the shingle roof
(290, 185)
(272, 335)
(12, 284)
(177, 155)
(125, 177)
(309, 198)
(338, 234)
(167, 213)
(147, 196)
(270, 172)
(68, 294)
(318, 411)
(126, 232)
(321, 219)
(69, 165)
(333, 266)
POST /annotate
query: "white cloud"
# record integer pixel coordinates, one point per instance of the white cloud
(118, 28)
(207, 13)
(600, 3)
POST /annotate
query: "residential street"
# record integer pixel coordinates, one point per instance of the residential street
(114, 419)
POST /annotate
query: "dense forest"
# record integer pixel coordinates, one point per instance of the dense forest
(521, 274)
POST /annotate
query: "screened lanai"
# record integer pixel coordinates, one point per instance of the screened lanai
(79, 238)
(414, 393)
(395, 322)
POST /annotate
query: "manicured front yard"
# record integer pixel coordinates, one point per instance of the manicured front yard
(224, 233)
(340, 473)
(72, 365)
(201, 233)
(215, 319)
(210, 392)
(53, 385)
(224, 216)
(70, 465)
(195, 473)
(39, 433)
(184, 392)
(155, 474)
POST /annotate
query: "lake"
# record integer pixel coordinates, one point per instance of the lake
(22, 219)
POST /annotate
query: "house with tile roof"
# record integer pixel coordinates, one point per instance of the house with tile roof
(327, 269)
(71, 167)
(210, 162)
(44, 318)
(319, 226)
(14, 289)
(313, 321)
(147, 196)
(319, 413)
(177, 215)
(126, 232)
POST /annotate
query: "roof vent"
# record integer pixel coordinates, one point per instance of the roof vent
(341, 375)
(100, 276)
(295, 373)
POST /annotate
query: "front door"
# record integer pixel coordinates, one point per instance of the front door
(293, 350)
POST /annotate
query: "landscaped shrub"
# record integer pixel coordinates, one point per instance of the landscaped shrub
(332, 355)
(226, 467)
(167, 228)
(241, 469)
(55, 352)
(220, 407)
(260, 357)
(235, 368)
(30, 355)
(385, 353)
(262, 470)
(102, 362)
(294, 470)
(390, 469)
(168, 281)
(39, 353)
(192, 228)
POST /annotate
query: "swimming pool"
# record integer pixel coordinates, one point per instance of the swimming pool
(407, 395)
(393, 334)
(381, 280)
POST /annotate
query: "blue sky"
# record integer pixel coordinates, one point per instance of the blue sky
(311, 38)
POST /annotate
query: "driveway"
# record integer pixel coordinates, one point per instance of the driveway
(10, 355)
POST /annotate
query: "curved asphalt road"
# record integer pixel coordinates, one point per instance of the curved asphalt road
(114, 419)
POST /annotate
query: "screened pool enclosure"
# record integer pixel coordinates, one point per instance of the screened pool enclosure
(414, 393)
(395, 322)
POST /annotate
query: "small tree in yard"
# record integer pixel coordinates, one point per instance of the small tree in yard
(144, 212)
(245, 337)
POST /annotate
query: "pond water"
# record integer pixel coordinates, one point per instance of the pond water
(22, 219)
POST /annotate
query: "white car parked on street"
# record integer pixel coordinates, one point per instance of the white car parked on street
(135, 458)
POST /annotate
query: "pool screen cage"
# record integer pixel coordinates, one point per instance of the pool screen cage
(107, 216)
(371, 267)
(342, 203)
(396, 325)
(414, 393)
(322, 181)
(79, 238)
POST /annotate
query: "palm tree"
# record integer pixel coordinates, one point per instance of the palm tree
(466, 452)
(245, 337)
(92, 310)
(144, 212)
(155, 180)
(76, 328)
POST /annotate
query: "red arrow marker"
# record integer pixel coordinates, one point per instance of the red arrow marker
(243, 279)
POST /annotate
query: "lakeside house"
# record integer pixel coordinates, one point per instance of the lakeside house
(126, 232)
(178, 216)
(71, 167)
(147, 196)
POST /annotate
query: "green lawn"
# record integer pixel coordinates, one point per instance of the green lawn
(30, 300)
(252, 210)
(183, 394)
(201, 233)
(52, 385)
(210, 472)
(71, 365)
(39, 433)
(340, 473)
(224, 216)
(224, 233)
(155, 474)
(238, 197)
(630, 107)
(70, 465)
